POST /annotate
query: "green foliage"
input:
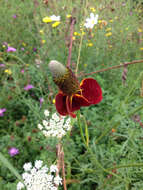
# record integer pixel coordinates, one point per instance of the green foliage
(104, 148)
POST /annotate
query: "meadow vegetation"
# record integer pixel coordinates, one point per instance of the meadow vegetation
(104, 149)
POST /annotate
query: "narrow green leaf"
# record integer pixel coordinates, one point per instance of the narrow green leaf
(9, 166)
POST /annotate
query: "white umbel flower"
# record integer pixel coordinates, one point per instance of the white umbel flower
(27, 166)
(20, 186)
(55, 126)
(38, 164)
(55, 18)
(90, 22)
(46, 112)
(40, 177)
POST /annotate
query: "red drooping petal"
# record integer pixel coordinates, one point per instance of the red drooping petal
(60, 102)
(64, 105)
(78, 101)
(69, 106)
(91, 90)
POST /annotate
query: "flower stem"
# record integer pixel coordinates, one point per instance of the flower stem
(81, 38)
(80, 127)
(79, 52)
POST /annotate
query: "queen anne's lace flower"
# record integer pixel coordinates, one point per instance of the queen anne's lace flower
(55, 126)
(39, 178)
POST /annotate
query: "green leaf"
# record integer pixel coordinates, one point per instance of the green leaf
(10, 167)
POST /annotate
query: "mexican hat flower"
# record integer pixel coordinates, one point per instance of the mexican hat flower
(72, 94)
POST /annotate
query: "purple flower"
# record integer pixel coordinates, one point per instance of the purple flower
(22, 49)
(2, 111)
(10, 49)
(22, 71)
(14, 16)
(2, 65)
(5, 43)
(34, 49)
(28, 87)
(41, 101)
(13, 151)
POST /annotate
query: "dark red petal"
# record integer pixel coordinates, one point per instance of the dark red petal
(78, 101)
(91, 90)
(60, 103)
(69, 106)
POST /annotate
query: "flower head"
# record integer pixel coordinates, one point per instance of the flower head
(28, 87)
(2, 110)
(90, 22)
(8, 71)
(55, 126)
(55, 24)
(41, 101)
(14, 16)
(72, 94)
(39, 177)
(52, 18)
(2, 65)
(11, 49)
(55, 18)
(13, 151)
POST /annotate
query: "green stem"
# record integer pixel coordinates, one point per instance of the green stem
(79, 52)
(7, 164)
(126, 166)
(80, 127)
(81, 39)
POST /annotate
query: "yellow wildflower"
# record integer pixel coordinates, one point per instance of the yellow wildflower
(53, 101)
(68, 16)
(90, 44)
(108, 34)
(111, 20)
(47, 19)
(41, 32)
(55, 24)
(127, 28)
(8, 71)
(43, 41)
(141, 48)
(139, 30)
(110, 46)
(73, 38)
(83, 33)
(99, 21)
(76, 34)
(92, 9)
(108, 29)
(24, 44)
(85, 65)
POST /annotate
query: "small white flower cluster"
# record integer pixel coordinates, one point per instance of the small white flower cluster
(90, 22)
(56, 126)
(39, 177)
(55, 18)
